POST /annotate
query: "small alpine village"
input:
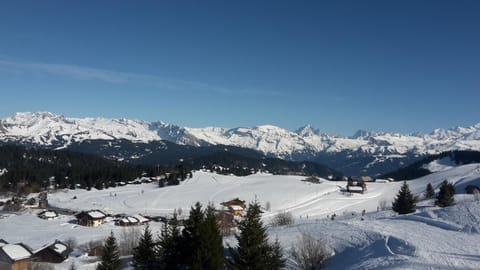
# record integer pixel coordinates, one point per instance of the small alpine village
(229, 234)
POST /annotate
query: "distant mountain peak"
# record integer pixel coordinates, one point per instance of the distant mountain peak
(45, 128)
(307, 131)
(361, 134)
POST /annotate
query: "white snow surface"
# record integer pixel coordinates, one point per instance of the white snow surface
(59, 248)
(440, 165)
(16, 252)
(50, 129)
(430, 238)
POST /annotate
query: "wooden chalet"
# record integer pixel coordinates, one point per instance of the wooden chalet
(92, 218)
(357, 186)
(56, 252)
(14, 256)
(235, 206)
(235, 201)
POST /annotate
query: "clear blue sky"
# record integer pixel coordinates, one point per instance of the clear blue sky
(401, 66)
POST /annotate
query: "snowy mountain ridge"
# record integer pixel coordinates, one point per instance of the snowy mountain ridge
(44, 128)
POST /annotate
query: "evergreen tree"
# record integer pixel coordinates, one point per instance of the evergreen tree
(445, 195)
(169, 245)
(429, 192)
(144, 253)
(191, 234)
(111, 256)
(253, 251)
(277, 259)
(404, 202)
(210, 255)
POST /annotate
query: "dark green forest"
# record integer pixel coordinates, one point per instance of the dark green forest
(31, 170)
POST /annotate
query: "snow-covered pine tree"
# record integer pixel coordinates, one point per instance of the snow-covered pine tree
(111, 257)
(404, 203)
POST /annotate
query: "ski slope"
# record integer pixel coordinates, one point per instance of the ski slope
(430, 238)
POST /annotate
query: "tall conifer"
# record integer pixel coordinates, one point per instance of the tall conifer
(445, 195)
(111, 256)
(404, 202)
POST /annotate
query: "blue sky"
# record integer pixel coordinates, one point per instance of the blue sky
(402, 66)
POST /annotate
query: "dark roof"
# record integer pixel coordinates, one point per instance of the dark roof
(59, 248)
(235, 201)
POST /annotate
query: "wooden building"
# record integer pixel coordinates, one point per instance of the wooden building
(236, 206)
(56, 252)
(92, 218)
(14, 256)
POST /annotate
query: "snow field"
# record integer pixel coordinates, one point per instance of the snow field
(431, 238)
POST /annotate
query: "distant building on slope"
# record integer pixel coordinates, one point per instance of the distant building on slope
(236, 206)
(92, 218)
(48, 215)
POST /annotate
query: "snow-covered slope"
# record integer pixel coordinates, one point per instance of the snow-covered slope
(430, 238)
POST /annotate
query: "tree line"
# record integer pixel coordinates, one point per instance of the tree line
(405, 201)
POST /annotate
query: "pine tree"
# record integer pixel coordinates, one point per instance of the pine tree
(144, 254)
(191, 234)
(111, 257)
(169, 245)
(277, 259)
(445, 195)
(210, 255)
(429, 192)
(253, 251)
(404, 202)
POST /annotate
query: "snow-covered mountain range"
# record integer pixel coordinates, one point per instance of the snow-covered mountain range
(58, 131)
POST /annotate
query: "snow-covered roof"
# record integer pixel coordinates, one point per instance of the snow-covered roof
(236, 207)
(59, 247)
(16, 252)
(49, 214)
(96, 214)
(141, 218)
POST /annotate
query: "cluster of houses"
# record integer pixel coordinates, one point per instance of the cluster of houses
(19, 256)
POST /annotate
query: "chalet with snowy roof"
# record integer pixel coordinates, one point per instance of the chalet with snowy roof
(236, 206)
(235, 201)
(92, 218)
(14, 256)
(56, 252)
(48, 215)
